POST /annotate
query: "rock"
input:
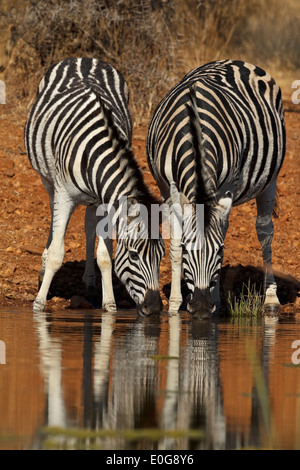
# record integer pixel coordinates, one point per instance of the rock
(8, 270)
(32, 249)
(6, 164)
(9, 173)
(30, 297)
(74, 245)
(36, 267)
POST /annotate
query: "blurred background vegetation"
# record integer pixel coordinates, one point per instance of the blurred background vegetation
(152, 42)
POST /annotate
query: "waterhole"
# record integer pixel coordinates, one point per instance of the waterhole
(77, 379)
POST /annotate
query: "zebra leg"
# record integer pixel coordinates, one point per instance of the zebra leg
(264, 228)
(215, 292)
(104, 260)
(89, 276)
(176, 261)
(63, 208)
(50, 191)
(175, 299)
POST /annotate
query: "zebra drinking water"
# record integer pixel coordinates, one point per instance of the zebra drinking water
(78, 138)
(217, 139)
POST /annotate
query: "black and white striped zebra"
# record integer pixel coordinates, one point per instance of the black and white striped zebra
(217, 139)
(78, 138)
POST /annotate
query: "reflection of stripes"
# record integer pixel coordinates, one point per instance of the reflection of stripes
(78, 138)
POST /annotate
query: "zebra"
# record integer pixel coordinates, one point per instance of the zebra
(217, 139)
(78, 138)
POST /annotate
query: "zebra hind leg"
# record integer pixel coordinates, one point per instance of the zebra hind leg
(264, 228)
(89, 276)
(50, 190)
(63, 208)
(175, 299)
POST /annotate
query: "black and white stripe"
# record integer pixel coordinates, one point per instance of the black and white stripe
(78, 138)
(218, 139)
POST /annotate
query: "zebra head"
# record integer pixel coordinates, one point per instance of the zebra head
(137, 260)
(202, 257)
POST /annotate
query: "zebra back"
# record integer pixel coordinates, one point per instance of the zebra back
(68, 134)
(242, 140)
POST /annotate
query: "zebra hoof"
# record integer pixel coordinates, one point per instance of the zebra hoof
(271, 310)
(38, 305)
(174, 306)
(109, 307)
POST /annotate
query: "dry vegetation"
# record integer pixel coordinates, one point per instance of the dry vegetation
(152, 42)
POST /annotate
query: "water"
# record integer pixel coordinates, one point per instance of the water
(112, 381)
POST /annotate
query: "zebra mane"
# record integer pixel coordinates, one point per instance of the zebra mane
(122, 146)
(206, 176)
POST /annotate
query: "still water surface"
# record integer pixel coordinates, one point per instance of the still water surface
(112, 381)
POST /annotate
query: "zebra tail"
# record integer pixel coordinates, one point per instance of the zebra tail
(206, 177)
(276, 209)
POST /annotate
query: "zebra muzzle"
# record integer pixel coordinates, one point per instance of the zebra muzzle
(152, 304)
(200, 304)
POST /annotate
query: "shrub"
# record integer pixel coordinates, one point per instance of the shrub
(152, 42)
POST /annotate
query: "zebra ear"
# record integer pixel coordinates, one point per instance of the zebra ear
(133, 208)
(224, 204)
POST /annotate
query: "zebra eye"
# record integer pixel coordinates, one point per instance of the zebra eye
(133, 255)
(220, 249)
(213, 283)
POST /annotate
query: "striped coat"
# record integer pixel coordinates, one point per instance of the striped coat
(218, 139)
(78, 138)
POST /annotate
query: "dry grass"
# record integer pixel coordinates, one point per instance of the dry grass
(152, 42)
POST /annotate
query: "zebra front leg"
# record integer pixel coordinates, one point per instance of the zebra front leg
(264, 228)
(89, 276)
(62, 211)
(104, 260)
(175, 299)
(176, 263)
